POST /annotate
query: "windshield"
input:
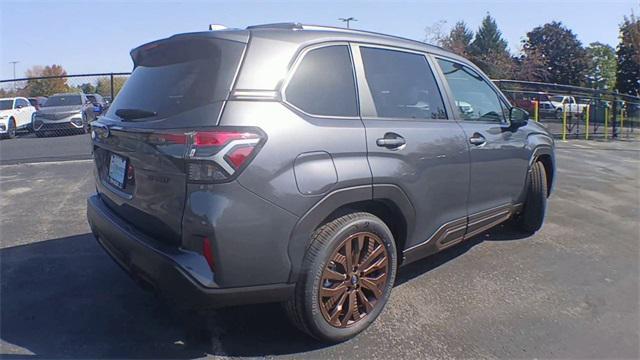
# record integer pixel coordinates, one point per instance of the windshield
(6, 104)
(63, 100)
(556, 98)
(179, 75)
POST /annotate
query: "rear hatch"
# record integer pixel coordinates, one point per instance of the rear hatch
(178, 86)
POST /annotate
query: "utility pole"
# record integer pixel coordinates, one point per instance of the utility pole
(348, 20)
(14, 73)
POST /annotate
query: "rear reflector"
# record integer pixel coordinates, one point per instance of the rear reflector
(207, 251)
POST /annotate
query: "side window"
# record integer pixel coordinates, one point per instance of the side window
(475, 99)
(402, 84)
(21, 103)
(323, 83)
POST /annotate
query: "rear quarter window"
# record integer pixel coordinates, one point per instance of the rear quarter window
(323, 83)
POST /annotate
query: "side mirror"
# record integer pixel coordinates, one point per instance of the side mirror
(518, 117)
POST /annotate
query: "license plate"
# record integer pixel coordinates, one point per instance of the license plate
(117, 170)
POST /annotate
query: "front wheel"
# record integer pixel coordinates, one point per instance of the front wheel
(559, 114)
(532, 216)
(346, 279)
(11, 129)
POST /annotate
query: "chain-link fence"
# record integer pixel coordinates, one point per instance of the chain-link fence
(71, 114)
(576, 112)
(567, 111)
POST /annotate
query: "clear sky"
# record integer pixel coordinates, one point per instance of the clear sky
(96, 36)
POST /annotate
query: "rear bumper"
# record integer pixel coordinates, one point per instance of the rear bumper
(181, 275)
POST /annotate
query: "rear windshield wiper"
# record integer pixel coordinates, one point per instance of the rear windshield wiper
(133, 114)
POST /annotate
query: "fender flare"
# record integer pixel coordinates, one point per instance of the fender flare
(536, 153)
(300, 238)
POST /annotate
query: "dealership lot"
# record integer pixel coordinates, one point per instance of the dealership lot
(569, 291)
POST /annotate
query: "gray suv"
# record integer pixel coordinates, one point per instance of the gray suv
(68, 113)
(304, 165)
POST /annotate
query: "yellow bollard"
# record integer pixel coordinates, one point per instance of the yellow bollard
(606, 123)
(535, 110)
(586, 128)
(564, 122)
(621, 122)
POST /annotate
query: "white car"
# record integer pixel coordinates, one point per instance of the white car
(15, 114)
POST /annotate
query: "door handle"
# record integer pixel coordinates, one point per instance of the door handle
(477, 139)
(391, 141)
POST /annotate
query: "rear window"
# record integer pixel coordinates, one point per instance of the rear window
(175, 76)
(63, 100)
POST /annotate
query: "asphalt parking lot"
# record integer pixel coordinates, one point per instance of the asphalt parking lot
(569, 291)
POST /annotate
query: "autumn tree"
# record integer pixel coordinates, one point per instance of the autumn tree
(433, 33)
(46, 87)
(556, 54)
(628, 60)
(458, 40)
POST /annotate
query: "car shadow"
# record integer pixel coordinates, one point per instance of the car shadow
(65, 298)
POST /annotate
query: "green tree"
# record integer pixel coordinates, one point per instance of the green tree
(628, 61)
(458, 40)
(601, 73)
(87, 88)
(489, 50)
(46, 87)
(558, 53)
(104, 85)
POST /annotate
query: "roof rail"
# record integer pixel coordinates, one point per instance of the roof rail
(299, 26)
(284, 26)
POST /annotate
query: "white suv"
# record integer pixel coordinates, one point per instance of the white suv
(15, 113)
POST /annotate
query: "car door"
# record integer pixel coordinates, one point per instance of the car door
(23, 112)
(498, 156)
(412, 142)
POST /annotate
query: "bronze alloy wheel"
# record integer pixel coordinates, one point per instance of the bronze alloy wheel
(354, 279)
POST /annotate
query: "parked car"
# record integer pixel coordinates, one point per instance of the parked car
(568, 104)
(64, 114)
(546, 109)
(37, 101)
(15, 114)
(304, 166)
(100, 105)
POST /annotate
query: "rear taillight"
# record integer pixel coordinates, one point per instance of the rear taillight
(220, 155)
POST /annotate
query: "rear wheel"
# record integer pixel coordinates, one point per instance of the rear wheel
(347, 276)
(532, 216)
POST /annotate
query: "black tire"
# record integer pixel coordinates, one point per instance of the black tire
(558, 114)
(40, 134)
(535, 206)
(11, 129)
(304, 309)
